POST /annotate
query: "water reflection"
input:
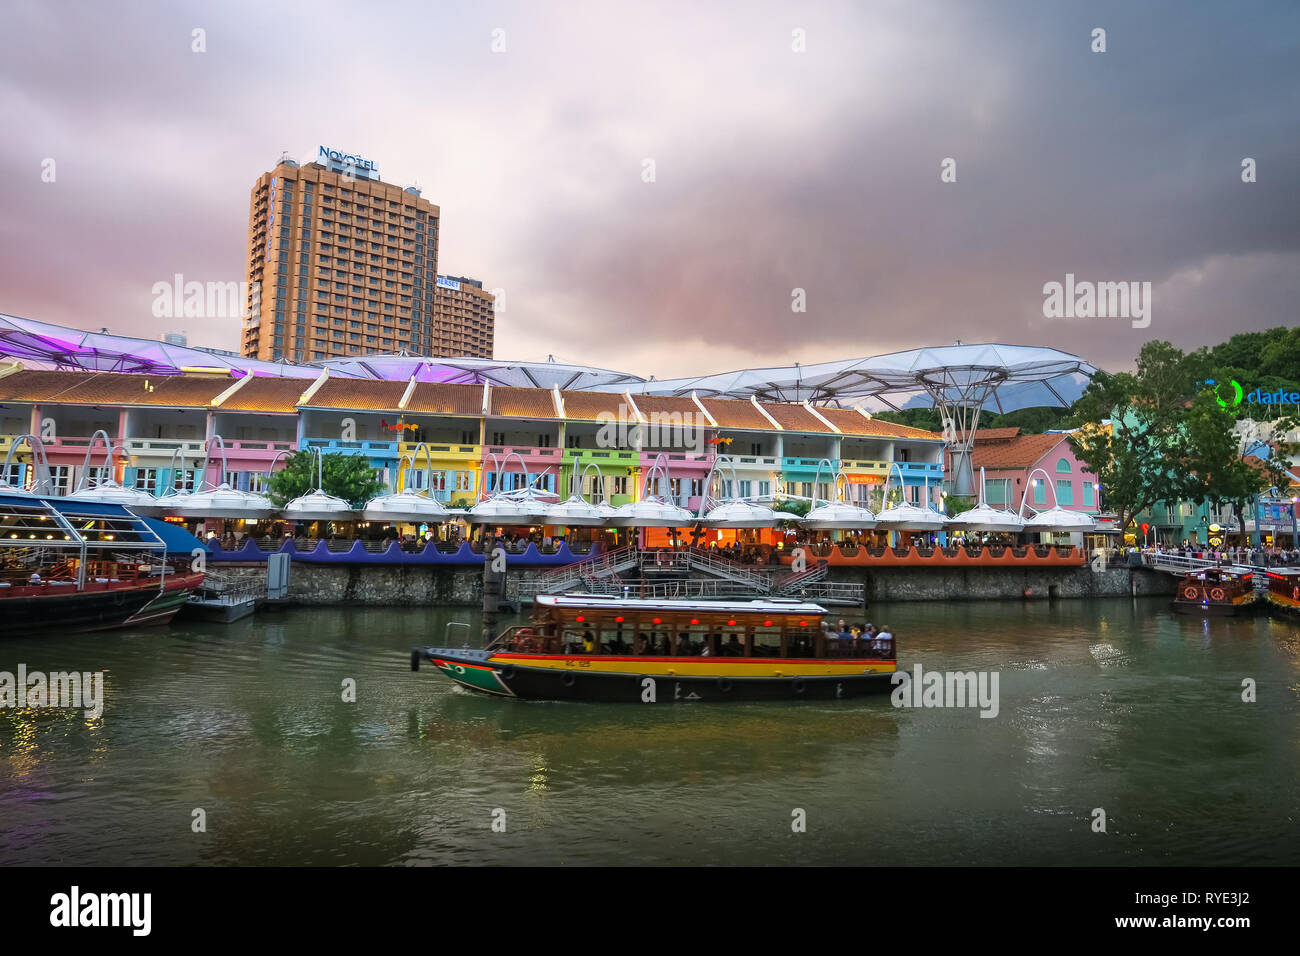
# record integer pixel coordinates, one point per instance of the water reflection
(1115, 703)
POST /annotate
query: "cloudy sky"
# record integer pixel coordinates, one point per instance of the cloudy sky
(773, 169)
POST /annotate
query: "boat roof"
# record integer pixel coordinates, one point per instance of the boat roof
(1283, 572)
(617, 602)
(28, 520)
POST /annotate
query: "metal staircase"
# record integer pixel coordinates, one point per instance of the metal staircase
(796, 581)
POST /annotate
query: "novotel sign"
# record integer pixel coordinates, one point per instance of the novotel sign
(343, 160)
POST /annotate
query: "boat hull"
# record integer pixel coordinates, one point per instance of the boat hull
(1227, 608)
(99, 610)
(657, 681)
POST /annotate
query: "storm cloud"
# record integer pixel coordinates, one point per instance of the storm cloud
(774, 169)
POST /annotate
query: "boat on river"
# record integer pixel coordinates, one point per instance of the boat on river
(607, 648)
(70, 565)
(1284, 589)
(1217, 591)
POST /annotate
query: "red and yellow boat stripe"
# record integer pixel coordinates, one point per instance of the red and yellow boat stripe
(697, 666)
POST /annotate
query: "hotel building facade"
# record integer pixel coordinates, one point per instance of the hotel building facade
(340, 263)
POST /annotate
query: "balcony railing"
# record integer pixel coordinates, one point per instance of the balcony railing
(386, 449)
(446, 448)
(609, 456)
(526, 451)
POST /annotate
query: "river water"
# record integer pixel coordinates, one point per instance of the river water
(1114, 704)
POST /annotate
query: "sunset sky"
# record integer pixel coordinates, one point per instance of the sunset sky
(774, 169)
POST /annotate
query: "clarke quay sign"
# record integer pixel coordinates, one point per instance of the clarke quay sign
(1230, 394)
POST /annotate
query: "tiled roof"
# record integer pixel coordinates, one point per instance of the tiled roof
(795, 418)
(731, 413)
(855, 423)
(1020, 452)
(668, 407)
(996, 434)
(588, 406)
(360, 394)
(262, 394)
(438, 398)
(112, 388)
(522, 402)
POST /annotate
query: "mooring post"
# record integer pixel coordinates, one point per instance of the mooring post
(493, 582)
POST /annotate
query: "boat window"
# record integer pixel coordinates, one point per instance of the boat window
(767, 640)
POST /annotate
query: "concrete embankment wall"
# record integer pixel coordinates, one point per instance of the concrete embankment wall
(994, 584)
(324, 585)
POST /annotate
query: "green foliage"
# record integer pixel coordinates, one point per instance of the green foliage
(800, 508)
(877, 494)
(959, 503)
(345, 476)
(1168, 441)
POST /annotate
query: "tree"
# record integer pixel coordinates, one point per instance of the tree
(345, 476)
(1143, 456)
(1168, 440)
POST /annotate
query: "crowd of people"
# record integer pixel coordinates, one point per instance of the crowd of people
(1275, 557)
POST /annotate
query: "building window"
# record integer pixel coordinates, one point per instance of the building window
(1063, 467)
(1040, 492)
(1089, 498)
(1064, 491)
(146, 479)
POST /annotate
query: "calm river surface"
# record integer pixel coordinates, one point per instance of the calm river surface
(1114, 704)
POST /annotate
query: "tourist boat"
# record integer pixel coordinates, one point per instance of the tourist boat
(1284, 589)
(603, 648)
(1216, 591)
(84, 566)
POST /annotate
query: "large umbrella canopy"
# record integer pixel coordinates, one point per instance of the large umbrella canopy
(221, 502)
(111, 493)
(651, 513)
(405, 506)
(741, 514)
(838, 516)
(497, 510)
(910, 517)
(318, 506)
(575, 512)
(985, 518)
(1005, 377)
(1059, 519)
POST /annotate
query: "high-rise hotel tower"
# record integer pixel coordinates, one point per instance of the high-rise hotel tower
(339, 263)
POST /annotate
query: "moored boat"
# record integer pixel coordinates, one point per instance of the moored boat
(598, 648)
(84, 566)
(1217, 591)
(1284, 589)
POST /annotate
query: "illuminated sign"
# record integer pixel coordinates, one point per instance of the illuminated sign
(1230, 394)
(348, 163)
(448, 283)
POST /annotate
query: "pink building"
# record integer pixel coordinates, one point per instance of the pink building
(1009, 460)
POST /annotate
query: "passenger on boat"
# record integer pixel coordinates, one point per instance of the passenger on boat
(588, 642)
(732, 648)
(35, 578)
(684, 646)
(640, 645)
